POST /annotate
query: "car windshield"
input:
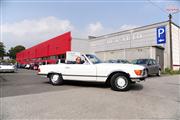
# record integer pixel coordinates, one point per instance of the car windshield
(93, 59)
(122, 61)
(140, 61)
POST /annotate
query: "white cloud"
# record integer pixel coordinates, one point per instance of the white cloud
(42, 25)
(126, 27)
(95, 28)
(31, 32)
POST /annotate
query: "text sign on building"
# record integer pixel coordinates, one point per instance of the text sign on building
(161, 35)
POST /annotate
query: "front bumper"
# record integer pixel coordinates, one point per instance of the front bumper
(140, 78)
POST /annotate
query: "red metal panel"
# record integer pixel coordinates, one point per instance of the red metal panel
(55, 46)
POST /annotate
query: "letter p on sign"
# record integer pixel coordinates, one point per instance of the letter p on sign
(161, 35)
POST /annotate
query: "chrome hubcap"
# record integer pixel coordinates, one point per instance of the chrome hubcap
(121, 82)
(55, 78)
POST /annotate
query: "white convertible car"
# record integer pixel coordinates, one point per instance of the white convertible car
(119, 76)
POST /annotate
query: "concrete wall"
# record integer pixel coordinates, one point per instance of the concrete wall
(159, 56)
(129, 53)
(113, 54)
(80, 45)
(138, 37)
(176, 46)
(132, 44)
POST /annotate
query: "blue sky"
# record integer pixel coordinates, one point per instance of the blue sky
(83, 18)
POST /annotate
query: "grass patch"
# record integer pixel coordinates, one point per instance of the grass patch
(170, 71)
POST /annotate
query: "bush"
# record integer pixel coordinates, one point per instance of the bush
(9, 61)
(171, 71)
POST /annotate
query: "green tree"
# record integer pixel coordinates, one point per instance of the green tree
(2, 50)
(14, 50)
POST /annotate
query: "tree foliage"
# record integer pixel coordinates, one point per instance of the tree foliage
(2, 49)
(14, 50)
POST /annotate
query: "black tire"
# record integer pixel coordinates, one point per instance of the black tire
(55, 79)
(120, 85)
(159, 73)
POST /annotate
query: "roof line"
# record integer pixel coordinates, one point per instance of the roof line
(79, 38)
(130, 29)
(175, 24)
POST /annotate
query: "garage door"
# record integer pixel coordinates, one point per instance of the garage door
(108, 55)
(137, 53)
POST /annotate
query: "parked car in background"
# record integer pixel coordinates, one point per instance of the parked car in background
(7, 67)
(21, 66)
(123, 61)
(35, 66)
(111, 61)
(27, 66)
(151, 66)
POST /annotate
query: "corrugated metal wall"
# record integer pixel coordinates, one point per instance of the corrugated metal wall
(55, 46)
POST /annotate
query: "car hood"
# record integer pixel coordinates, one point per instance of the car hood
(145, 65)
(121, 65)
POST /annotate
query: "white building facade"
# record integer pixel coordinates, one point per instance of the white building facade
(138, 43)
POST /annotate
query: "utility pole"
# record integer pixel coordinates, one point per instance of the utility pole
(170, 41)
(171, 9)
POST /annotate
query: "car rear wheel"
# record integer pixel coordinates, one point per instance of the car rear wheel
(56, 79)
(159, 73)
(120, 82)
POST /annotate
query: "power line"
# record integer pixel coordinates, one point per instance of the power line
(158, 7)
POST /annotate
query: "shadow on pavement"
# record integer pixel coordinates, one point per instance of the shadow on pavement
(134, 87)
(82, 84)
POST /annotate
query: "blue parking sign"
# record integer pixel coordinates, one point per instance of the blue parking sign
(161, 35)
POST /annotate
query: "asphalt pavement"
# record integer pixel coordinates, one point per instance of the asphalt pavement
(25, 95)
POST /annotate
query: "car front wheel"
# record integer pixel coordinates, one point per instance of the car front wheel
(56, 79)
(120, 82)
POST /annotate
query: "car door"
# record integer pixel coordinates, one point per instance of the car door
(156, 67)
(82, 72)
(150, 67)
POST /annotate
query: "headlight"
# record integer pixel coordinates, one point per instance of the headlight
(138, 72)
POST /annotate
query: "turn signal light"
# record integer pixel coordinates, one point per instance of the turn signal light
(138, 72)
